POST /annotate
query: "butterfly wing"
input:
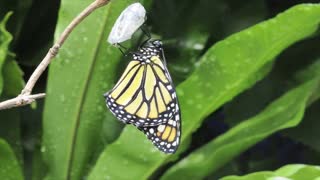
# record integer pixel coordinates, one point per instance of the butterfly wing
(165, 137)
(144, 95)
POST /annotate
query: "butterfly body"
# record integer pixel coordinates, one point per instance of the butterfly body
(145, 97)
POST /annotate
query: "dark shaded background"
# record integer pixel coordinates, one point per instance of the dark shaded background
(182, 24)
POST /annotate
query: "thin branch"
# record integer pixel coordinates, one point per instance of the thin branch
(55, 49)
(20, 101)
(25, 98)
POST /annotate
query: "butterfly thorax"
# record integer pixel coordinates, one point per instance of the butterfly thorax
(147, 55)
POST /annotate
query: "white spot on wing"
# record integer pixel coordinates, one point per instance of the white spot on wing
(151, 130)
(161, 128)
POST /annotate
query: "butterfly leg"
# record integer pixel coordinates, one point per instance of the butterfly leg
(122, 49)
(146, 32)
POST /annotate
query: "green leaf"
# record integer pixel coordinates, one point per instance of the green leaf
(75, 107)
(276, 83)
(9, 166)
(308, 132)
(5, 39)
(227, 69)
(285, 112)
(12, 78)
(288, 172)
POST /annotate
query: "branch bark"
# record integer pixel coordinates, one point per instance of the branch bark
(20, 100)
(25, 98)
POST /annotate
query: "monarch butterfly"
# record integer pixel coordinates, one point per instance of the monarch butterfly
(145, 97)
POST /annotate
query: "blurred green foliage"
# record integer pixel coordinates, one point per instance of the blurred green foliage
(10, 168)
(245, 72)
(297, 171)
(5, 39)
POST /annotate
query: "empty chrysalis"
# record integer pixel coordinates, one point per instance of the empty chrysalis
(127, 23)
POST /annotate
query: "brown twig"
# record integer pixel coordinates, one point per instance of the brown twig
(20, 100)
(25, 98)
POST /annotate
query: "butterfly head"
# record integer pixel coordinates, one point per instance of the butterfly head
(156, 44)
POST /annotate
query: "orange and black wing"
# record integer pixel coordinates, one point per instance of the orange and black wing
(144, 95)
(165, 137)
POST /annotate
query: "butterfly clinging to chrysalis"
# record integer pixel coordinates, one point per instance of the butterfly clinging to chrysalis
(145, 97)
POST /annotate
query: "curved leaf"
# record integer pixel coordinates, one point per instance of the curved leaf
(12, 78)
(5, 39)
(289, 172)
(9, 166)
(75, 108)
(227, 69)
(283, 113)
